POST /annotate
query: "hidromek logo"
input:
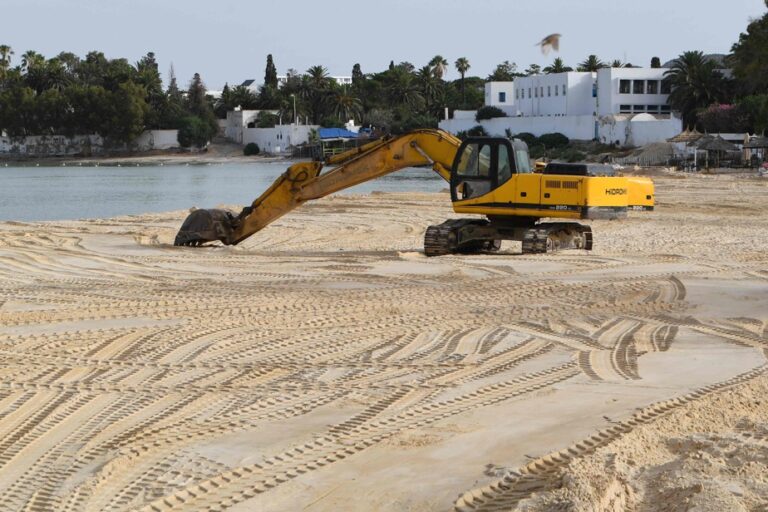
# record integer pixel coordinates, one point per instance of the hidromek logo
(616, 191)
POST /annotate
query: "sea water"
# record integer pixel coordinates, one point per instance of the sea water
(32, 193)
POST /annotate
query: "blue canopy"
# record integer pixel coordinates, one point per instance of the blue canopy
(336, 133)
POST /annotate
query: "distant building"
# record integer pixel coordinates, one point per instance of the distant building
(254, 86)
(628, 106)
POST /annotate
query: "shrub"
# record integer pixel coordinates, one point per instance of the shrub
(251, 149)
(331, 122)
(266, 120)
(476, 131)
(194, 131)
(554, 140)
(528, 138)
(489, 112)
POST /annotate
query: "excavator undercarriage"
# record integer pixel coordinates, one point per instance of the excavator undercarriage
(468, 236)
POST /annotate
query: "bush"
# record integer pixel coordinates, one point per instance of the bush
(489, 112)
(331, 122)
(266, 120)
(528, 138)
(554, 140)
(476, 131)
(194, 131)
(251, 149)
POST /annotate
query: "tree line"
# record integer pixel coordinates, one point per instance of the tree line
(69, 95)
(118, 100)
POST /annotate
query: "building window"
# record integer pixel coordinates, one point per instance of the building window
(517, 94)
(502, 97)
(535, 92)
(625, 109)
(563, 89)
(624, 86)
(652, 87)
(557, 90)
(653, 109)
(665, 109)
(541, 91)
(549, 90)
(638, 86)
(666, 88)
(594, 90)
(529, 93)
(638, 108)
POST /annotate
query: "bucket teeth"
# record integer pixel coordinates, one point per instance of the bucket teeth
(202, 226)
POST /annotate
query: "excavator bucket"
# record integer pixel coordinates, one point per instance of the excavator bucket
(203, 226)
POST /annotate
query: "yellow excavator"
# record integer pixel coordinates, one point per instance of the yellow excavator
(488, 176)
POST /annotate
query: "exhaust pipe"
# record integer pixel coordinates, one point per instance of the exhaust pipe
(203, 226)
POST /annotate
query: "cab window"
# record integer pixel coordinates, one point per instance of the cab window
(475, 161)
(522, 161)
(505, 164)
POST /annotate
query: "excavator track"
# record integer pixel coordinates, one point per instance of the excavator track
(554, 236)
(439, 240)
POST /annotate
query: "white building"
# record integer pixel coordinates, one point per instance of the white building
(254, 86)
(625, 105)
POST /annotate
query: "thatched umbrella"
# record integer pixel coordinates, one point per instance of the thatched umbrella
(716, 145)
(687, 136)
(755, 144)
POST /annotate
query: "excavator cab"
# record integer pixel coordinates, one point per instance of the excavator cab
(483, 164)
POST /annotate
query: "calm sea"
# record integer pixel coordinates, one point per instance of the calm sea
(66, 193)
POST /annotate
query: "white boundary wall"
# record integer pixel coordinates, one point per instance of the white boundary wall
(279, 139)
(85, 145)
(626, 130)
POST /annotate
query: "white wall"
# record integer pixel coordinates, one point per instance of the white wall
(611, 99)
(492, 94)
(157, 139)
(627, 130)
(84, 145)
(278, 139)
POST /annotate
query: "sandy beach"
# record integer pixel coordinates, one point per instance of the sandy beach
(326, 364)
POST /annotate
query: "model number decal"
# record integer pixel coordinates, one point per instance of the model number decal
(616, 191)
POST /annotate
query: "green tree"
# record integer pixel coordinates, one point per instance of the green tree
(655, 62)
(750, 57)
(533, 69)
(270, 73)
(316, 86)
(346, 106)
(193, 131)
(5, 60)
(557, 66)
(462, 66)
(591, 63)
(357, 76)
(439, 66)
(504, 72)
(695, 83)
(198, 106)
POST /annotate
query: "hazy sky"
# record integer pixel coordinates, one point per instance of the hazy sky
(228, 41)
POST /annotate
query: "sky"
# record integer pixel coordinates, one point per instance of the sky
(228, 41)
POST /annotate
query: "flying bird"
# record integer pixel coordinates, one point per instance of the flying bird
(551, 42)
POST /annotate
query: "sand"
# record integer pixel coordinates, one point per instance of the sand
(327, 364)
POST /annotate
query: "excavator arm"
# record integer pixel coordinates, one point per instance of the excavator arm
(305, 181)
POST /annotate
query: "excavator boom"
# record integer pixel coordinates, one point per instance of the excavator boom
(305, 181)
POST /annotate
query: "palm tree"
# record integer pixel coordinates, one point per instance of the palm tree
(592, 63)
(429, 86)
(462, 66)
(345, 105)
(315, 86)
(439, 66)
(557, 66)
(695, 83)
(30, 59)
(402, 90)
(5, 59)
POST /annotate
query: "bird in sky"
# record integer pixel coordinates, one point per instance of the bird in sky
(551, 42)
